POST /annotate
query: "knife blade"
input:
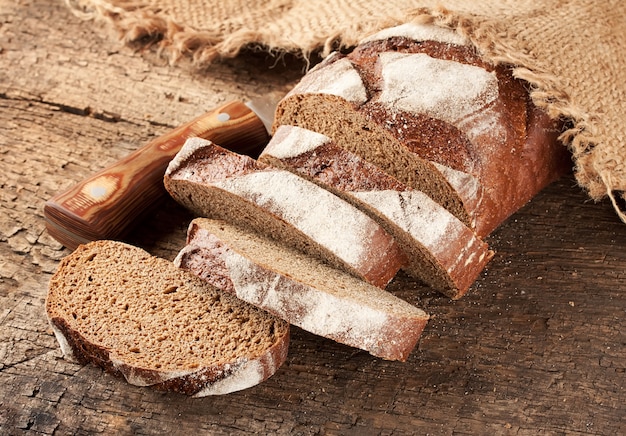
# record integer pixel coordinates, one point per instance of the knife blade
(109, 203)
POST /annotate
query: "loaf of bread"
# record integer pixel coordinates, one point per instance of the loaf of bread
(141, 317)
(421, 104)
(301, 289)
(217, 183)
(441, 250)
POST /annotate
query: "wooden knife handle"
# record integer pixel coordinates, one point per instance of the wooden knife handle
(107, 204)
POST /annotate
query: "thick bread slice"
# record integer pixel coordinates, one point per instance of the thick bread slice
(302, 290)
(217, 183)
(431, 112)
(441, 250)
(141, 317)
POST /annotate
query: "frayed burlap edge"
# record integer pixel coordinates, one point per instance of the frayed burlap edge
(546, 93)
(137, 25)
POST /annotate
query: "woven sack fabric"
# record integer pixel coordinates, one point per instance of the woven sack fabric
(571, 52)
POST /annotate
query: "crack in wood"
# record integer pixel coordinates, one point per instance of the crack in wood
(86, 111)
(27, 359)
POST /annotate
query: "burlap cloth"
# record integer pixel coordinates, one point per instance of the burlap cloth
(572, 52)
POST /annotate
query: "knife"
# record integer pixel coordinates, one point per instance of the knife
(109, 203)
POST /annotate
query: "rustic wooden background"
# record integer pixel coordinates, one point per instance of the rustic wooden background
(537, 347)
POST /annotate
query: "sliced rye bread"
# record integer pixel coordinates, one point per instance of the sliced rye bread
(420, 103)
(441, 250)
(141, 317)
(216, 183)
(301, 289)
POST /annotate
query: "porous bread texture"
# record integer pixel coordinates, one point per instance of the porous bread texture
(141, 317)
(301, 289)
(437, 117)
(441, 250)
(217, 183)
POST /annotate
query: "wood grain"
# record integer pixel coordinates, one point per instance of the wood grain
(536, 347)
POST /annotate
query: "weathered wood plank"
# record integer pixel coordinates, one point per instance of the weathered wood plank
(537, 347)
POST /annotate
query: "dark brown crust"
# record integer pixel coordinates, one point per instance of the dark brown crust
(231, 164)
(367, 54)
(212, 268)
(410, 333)
(431, 139)
(511, 172)
(508, 180)
(193, 384)
(85, 352)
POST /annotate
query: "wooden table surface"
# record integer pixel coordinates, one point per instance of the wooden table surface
(538, 346)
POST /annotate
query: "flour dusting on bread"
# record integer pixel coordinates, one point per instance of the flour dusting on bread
(327, 220)
(323, 313)
(445, 90)
(245, 374)
(415, 213)
(290, 141)
(339, 78)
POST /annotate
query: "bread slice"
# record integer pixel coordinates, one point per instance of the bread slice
(217, 183)
(420, 103)
(301, 289)
(441, 250)
(141, 317)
